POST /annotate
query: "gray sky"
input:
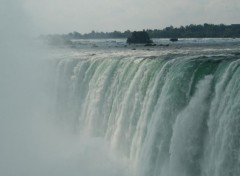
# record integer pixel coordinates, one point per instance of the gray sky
(63, 16)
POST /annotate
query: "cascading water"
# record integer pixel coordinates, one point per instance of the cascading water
(168, 110)
(176, 115)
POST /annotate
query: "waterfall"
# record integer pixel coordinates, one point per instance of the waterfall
(175, 116)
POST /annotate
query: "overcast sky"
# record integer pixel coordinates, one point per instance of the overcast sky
(63, 16)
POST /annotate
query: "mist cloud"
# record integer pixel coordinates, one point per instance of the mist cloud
(30, 143)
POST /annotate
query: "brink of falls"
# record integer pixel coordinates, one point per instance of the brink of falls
(171, 114)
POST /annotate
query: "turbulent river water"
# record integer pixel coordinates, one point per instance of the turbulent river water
(102, 108)
(168, 110)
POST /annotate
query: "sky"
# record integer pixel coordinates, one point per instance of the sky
(64, 16)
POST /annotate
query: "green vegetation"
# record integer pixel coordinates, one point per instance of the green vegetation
(198, 31)
(139, 37)
(189, 31)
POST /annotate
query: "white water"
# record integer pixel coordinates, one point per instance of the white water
(168, 117)
(121, 114)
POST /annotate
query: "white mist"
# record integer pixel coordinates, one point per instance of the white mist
(30, 143)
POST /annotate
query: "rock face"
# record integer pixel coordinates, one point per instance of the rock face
(139, 37)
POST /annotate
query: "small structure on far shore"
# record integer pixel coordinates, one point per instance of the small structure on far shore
(139, 37)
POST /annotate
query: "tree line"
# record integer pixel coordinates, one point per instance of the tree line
(198, 31)
(189, 31)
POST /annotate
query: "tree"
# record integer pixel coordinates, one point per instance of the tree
(139, 37)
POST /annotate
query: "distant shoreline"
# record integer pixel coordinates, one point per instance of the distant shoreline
(189, 31)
